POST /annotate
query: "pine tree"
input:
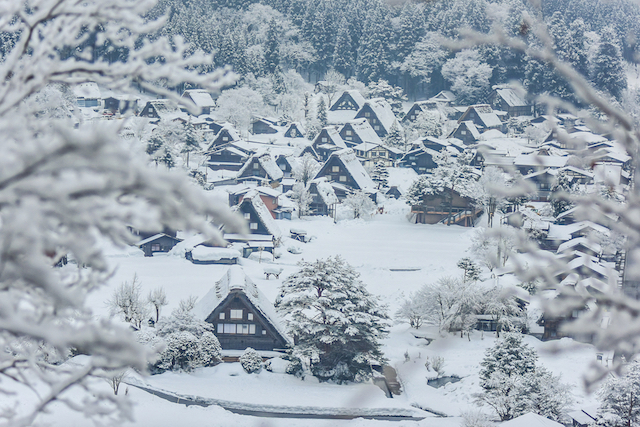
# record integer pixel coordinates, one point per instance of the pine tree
(380, 176)
(343, 55)
(336, 323)
(561, 192)
(608, 71)
(321, 37)
(620, 399)
(373, 55)
(191, 140)
(322, 112)
(394, 138)
(470, 268)
(272, 47)
(411, 30)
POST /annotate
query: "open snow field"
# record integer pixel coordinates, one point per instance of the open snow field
(394, 258)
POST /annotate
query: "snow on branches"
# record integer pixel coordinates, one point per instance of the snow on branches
(336, 323)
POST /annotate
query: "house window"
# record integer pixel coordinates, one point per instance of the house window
(243, 329)
(343, 178)
(221, 316)
(323, 139)
(235, 314)
(348, 132)
(264, 332)
(252, 329)
(376, 127)
(155, 247)
(256, 165)
(367, 114)
(335, 168)
(249, 316)
(221, 328)
(247, 215)
(412, 117)
(253, 226)
(293, 133)
(229, 328)
(283, 166)
(463, 132)
(225, 138)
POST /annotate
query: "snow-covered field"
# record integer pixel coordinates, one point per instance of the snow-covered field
(394, 258)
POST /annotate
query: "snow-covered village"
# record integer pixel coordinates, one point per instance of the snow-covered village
(320, 213)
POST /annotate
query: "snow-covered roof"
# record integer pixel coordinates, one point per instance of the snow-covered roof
(236, 280)
(355, 95)
(355, 168)
(88, 90)
(531, 420)
(364, 130)
(541, 161)
(200, 97)
(268, 191)
(571, 244)
(490, 120)
(270, 166)
(263, 213)
(205, 253)
(325, 190)
(472, 128)
(155, 237)
(383, 111)
(334, 137)
(511, 97)
(444, 96)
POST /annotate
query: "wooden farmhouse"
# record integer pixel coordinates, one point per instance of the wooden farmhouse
(121, 104)
(543, 180)
(226, 135)
(349, 100)
(327, 142)
(88, 95)
(419, 159)
(343, 167)
(444, 97)
(380, 116)
(467, 132)
(483, 116)
(160, 242)
(263, 125)
(257, 215)
(417, 108)
(163, 109)
(201, 98)
(268, 195)
(435, 209)
(323, 197)
(241, 315)
(510, 100)
(262, 169)
(358, 131)
(371, 154)
(227, 157)
(295, 130)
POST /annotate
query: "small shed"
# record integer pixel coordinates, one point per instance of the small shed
(242, 316)
(160, 242)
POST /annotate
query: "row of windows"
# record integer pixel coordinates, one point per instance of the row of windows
(236, 314)
(238, 329)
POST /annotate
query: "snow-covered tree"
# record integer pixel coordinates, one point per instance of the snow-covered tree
(394, 95)
(239, 105)
(427, 123)
(620, 399)
(395, 138)
(493, 248)
(490, 193)
(608, 71)
(470, 269)
(380, 176)
(503, 308)
(69, 186)
(251, 361)
(450, 304)
(301, 195)
(158, 299)
(322, 112)
(337, 324)
(360, 204)
(561, 192)
(128, 302)
(413, 310)
(513, 385)
(469, 77)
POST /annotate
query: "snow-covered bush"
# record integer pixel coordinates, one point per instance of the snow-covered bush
(276, 365)
(360, 204)
(251, 361)
(336, 321)
(295, 367)
(437, 364)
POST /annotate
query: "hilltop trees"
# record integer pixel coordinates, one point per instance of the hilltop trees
(335, 322)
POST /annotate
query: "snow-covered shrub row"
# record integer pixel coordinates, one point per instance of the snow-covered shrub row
(251, 361)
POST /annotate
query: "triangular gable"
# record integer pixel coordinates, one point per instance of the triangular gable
(351, 165)
(349, 100)
(295, 130)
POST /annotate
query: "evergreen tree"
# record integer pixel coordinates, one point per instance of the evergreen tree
(513, 385)
(411, 30)
(394, 138)
(380, 176)
(272, 47)
(561, 192)
(373, 54)
(470, 268)
(322, 112)
(334, 320)
(620, 399)
(394, 95)
(608, 71)
(191, 140)
(321, 37)
(343, 55)
(468, 76)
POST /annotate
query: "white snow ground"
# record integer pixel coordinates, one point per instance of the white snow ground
(394, 258)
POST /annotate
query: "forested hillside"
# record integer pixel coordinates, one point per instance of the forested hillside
(400, 41)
